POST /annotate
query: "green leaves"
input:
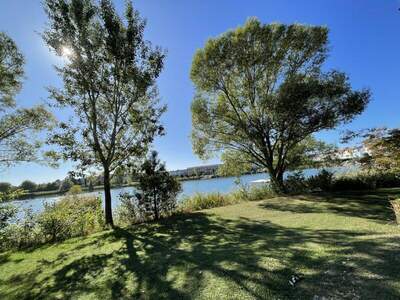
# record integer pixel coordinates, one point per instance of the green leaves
(260, 91)
(109, 82)
(11, 71)
(18, 126)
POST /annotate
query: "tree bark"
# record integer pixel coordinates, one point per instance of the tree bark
(107, 198)
(277, 181)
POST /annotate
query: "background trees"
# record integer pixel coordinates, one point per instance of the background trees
(109, 81)
(18, 126)
(381, 148)
(261, 95)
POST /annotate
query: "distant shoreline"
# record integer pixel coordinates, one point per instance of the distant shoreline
(100, 187)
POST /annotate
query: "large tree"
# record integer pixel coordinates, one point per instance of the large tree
(261, 95)
(18, 125)
(109, 75)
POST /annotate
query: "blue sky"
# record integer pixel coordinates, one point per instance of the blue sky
(364, 42)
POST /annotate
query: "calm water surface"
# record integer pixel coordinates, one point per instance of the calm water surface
(222, 185)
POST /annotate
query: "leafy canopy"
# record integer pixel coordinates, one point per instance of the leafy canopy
(18, 126)
(261, 94)
(109, 74)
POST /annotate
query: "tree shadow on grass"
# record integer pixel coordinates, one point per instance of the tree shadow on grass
(372, 205)
(200, 256)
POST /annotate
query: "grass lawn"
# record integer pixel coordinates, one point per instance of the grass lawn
(346, 246)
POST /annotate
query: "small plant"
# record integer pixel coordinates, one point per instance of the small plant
(157, 192)
(396, 209)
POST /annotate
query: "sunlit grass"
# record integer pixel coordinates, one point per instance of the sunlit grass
(345, 245)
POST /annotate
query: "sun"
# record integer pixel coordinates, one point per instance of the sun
(66, 51)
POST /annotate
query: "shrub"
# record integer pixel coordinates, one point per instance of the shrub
(22, 234)
(75, 190)
(157, 191)
(323, 180)
(296, 182)
(128, 211)
(201, 201)
(71, 216)
(253, 193)
(7, 212)
(396, 209)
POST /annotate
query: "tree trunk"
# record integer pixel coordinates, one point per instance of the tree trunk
(107, 198)
(277, 182)
(156, 214)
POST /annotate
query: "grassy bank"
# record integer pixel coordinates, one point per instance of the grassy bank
(345, 245)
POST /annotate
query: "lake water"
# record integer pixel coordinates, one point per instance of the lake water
(221, 185)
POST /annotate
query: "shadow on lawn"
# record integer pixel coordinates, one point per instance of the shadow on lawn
(370, 205)
(175, 258)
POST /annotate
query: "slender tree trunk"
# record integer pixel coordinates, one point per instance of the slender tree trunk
(277, 181)
(156, 214)
(107, 198)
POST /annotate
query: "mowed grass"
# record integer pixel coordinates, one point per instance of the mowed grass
(346, 246)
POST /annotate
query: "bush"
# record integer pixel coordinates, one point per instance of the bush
(201, 201)
(7, 212)
(296, 183)
(157, 192)
(71, 216)
(75, 190)
(128, 211)
(323, 180)
(24, 233)
(253, 193)
(396, 209)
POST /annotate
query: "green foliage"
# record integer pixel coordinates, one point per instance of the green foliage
(129, 212)
(353, 181)
(71, 216)
(246, 251)
(296, 182)
(7, 212)
(253, 193)
(366, 181)
(201, 201)
(5, 187)
(28, 185)
(157, 191)
(323, 181)
(18, 126)
(11, 71)
(75, 190)
(23, 233)
(261, 92)
(109, 81)
(65, 185)
(11, 194)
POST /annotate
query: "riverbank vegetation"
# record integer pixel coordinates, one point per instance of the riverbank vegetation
(344, 246)
(261, 96)
(72, 216)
